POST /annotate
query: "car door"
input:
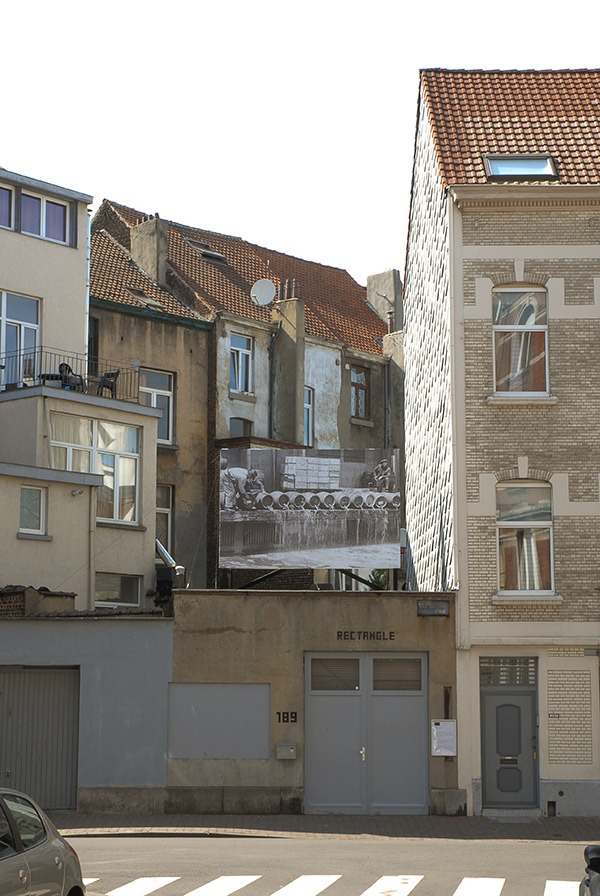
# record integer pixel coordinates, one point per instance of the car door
(44, 857)
(14, 871)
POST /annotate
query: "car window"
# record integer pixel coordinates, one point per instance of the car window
(7, 841)
(30, 825)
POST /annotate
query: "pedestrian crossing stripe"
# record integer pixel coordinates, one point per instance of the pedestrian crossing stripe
(315, 884)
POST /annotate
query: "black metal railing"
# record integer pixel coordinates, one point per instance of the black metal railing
(69, 371)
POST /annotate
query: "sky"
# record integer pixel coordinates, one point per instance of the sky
(290, 124)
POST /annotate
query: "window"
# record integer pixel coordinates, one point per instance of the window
(30, 825)
(238, 426)
(98, 446)
(156, 391)
(7, 841)
(32, 517)
(43, 217)
(164, 516)
(19, 328)
(524, 524)
(6, 207)
(359, 392)
(309, 416)
(240, 363)
(515, 166)
(93, 345)
(112, 588)
(520, 324)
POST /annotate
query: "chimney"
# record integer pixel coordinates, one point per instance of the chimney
(149, 248)
(384, 295)
(291, 289)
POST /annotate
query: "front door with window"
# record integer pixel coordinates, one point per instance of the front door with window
(509, 733)
(366, 734)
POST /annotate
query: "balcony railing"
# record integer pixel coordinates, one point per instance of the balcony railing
(72, 372)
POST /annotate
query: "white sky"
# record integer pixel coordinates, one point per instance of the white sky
(290, 124)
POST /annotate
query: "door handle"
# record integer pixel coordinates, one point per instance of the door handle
(23, 875)
(363, 754)
(58, 861)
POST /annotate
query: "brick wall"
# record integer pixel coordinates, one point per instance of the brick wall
(569, 711)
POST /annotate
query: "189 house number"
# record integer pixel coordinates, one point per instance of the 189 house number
(287, 717)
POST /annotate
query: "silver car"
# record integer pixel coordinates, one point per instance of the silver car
(34, 858)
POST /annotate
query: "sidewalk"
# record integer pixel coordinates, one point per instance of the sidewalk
(584, 830)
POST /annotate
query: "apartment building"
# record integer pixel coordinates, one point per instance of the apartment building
(501, 330)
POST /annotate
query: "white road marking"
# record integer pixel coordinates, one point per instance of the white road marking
(308, 885)
(480, 886)
(90, 880)
(562, 888)
(142, 886)
(223, 886)
(394, 885)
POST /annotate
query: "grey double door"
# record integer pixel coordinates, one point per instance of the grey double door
(366, 734)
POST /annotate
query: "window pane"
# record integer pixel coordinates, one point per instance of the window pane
(7, 842)
(81, 461)
(153, 379)
(127, 468)
(29, 823)
(59, 458)
(31, 209)
(163, 496)
(106, 492)
(397, 674)
(525, 563)
(244, 342)
(359, 375)
(31, 509)
(56, 221)
(523, 309)
(524, 503)
(71, 429)
(117, 589)
(164, 403)
(334, 674)
(22, 309)
(520, 361)
(117, 437)
(5, 207)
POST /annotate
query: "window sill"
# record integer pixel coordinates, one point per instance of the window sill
(167, 446)
(525, 597)
(30, 536)
(242, 396)
(118, 524)
(356, 421)
(515, 400)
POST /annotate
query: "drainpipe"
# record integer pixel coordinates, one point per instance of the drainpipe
(91, 549)
(272, 376)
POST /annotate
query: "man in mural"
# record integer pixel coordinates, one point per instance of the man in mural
(239, 487)
(383, 477)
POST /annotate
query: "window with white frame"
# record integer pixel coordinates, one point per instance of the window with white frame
(156, 391)
(359, 392)
(164, 517)
(6, 207)
(520, 166)
(520, 326)
(240, 363)
(44, 217)
(19, 335)
(113, 588)
(309, 416)
(99, 446)
(32, 512)
(524, 529)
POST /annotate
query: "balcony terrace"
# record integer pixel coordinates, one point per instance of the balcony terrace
(51, 367)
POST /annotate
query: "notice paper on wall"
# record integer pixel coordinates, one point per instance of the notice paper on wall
(443, 737)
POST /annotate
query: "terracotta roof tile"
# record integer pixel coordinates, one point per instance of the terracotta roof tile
(477, 112)
(335, 304)
(113, 274)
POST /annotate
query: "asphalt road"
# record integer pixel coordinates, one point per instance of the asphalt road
(337, 867)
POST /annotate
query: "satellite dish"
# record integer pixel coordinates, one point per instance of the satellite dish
(263, 292)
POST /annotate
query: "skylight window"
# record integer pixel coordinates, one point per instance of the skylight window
(141, 296)
(205, 250)
(519, 167)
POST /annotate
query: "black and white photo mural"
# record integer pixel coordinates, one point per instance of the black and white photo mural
(307, 508)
